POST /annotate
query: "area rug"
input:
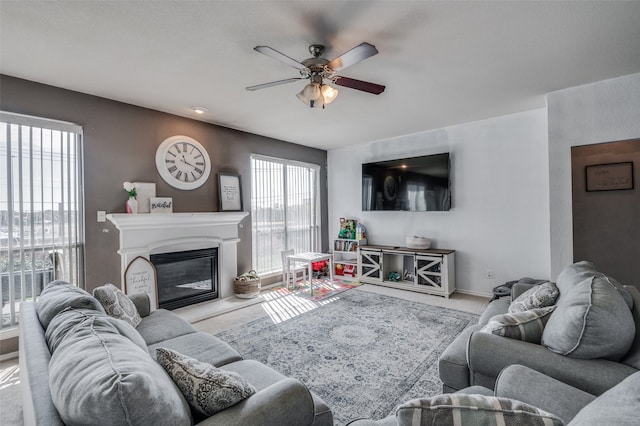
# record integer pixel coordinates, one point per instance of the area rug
(322, 288)
(362, 353)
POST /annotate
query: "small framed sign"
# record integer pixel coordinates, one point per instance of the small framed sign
(140, 277)
(161, 205)
(230, 192)
(609, 177)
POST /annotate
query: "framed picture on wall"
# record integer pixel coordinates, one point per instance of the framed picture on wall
(609, 177)
(230, 192)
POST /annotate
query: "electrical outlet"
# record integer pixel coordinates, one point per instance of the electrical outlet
(102, 216)
(489, 274)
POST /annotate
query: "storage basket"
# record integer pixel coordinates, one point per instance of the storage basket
(247, 285)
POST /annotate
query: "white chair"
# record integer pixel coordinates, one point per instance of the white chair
(290, 270)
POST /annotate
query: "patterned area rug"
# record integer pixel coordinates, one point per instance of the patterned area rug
(322, 288)
(363, 353)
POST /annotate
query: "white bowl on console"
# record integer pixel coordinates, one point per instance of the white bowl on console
(418, 242)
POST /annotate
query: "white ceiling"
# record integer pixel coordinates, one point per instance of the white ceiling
(443, 63)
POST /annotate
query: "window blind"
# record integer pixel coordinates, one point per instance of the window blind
(41, 208)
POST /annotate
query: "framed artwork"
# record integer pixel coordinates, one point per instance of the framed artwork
(146, 191)
(140, 277)
(609, 177)
(230, 192)
(161, 205)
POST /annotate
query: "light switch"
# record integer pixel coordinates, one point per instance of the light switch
(102, 216)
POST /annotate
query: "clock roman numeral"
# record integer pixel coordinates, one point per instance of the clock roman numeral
(199, 155)
(186, 177)
(198, 170)
(172, 169)
(170, 161)
(178, 175)
(184, 147)
(199, 163)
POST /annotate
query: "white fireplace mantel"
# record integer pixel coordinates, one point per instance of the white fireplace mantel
(146, 234)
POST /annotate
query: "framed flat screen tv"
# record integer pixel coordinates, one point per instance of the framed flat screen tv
(409, 184)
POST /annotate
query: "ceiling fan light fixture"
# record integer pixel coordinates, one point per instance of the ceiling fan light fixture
(316, 94)
(329, 93)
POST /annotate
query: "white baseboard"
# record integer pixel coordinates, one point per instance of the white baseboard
(9, 356)
(474, 293)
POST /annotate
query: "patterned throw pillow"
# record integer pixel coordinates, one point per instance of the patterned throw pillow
(457, 409)
(527, 326)
(536, 297)
(117, 304)
(207, 388)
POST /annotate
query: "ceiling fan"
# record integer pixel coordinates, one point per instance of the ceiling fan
(318, 69)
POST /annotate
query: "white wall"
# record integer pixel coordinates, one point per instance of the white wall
(500, 185)
(604, 111)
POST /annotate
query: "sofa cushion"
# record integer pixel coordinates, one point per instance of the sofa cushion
(632, 357)
(161, 325)
(617, 406)
(526, 326)
(539, 296)
(117, 304)
(574, 274)
(461, 409)
(98, 376)
(578, 272)
(592, 320)
(201, 346)
(72, 319)
(207, 388)
(60, 295)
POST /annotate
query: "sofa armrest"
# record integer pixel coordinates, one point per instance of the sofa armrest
(534, 388)
(143, 305)
(287, 402)
(519, 288)
(489, 354)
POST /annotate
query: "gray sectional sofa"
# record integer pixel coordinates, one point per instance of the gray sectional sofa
(79, 365)
(618, 406)
(588, 299)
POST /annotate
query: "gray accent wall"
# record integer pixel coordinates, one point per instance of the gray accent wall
(120, 142)
(606, 224)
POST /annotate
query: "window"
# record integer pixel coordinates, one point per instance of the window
(284, 210)
(41, 208)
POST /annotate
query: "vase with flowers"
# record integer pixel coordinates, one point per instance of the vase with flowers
(132, 203)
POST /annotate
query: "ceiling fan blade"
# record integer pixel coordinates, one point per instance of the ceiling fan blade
(272, 53)
(274, 83)
(352, 83)
(353, 56)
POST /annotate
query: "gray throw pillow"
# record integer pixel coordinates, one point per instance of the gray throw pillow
(574, 274)
(117, 304)
(207, 388)
(591, 321)
(526, 326)
(60, 295)
(461, 409)
(539, 296)
(97, 376)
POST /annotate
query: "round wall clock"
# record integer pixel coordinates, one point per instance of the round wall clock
(183, 162)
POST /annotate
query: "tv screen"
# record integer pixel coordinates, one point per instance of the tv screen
(411, 184)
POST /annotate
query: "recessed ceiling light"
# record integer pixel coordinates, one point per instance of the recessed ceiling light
(199, 110)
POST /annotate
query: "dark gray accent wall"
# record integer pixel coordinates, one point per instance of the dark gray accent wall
(120, 142)
(606, 224)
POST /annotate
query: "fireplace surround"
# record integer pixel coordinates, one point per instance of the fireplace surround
(152, 234)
